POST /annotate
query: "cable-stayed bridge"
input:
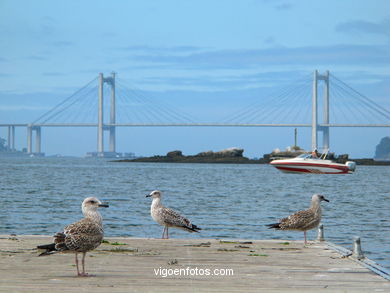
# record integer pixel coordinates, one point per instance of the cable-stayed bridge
(319, 101)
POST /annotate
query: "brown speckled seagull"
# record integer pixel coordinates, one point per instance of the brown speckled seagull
(80, 237)
(303, 220)
(167, 217)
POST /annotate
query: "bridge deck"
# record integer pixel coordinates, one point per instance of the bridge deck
(107, 125)
(257, 266)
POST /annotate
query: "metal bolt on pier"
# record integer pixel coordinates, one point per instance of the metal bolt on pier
(320, 235)
(357, 248)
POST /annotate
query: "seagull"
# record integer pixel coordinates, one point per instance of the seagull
(167, 217)
(80, 237)
(302, 220)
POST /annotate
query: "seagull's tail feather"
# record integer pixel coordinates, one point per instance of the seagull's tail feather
(50, 246)
(49, 249)
(273, 226)
(192, 228)
(57, 246)
(196, 227)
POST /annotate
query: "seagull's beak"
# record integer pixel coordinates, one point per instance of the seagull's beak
(327, 200)
(103, 205)
(148, 195)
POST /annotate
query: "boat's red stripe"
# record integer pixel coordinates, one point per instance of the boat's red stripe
(300, 170)
(343, 168)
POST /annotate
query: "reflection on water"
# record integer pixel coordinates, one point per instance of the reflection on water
(41, 195)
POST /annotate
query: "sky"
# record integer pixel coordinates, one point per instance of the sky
(207, 58)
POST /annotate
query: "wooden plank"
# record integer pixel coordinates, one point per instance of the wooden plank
(248, 265)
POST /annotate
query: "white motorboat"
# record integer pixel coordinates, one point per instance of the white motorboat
(306, 163)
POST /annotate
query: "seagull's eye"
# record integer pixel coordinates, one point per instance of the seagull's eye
(92, 201)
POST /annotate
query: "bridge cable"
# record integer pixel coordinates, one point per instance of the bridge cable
(165, 109)
(64, 101)
(253, 107)
(368, 102)
(60, 111)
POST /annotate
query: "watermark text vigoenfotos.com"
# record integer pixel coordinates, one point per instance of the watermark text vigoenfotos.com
(192, 272)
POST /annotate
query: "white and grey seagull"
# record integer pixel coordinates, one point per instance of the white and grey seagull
(80, 237)
(303, 220)
(167, 217)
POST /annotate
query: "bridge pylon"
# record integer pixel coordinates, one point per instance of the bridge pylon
(101, 126)
(30, 129)
(315, 127)
(11, 138)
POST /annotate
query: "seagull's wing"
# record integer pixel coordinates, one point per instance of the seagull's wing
(301, 220)
(83, 235)
(173, 218)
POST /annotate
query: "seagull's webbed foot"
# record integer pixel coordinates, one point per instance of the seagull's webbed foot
(85, 275)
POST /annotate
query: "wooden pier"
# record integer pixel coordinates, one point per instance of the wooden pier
(185, 265)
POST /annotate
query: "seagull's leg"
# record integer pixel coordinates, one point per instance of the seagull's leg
(83, 274)
(83, 263)
(304, 233)
(163, 232)
(76, 260)
(167, 233)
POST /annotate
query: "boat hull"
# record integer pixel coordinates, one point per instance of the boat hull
(296, 168)
(316, 168)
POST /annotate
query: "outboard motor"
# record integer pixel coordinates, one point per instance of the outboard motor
(351, 166)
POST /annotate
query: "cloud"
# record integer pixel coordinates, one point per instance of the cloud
(161, 50)
(365, 27)
(62, 44)
(230, 81)
(284, 6)
(47, 26)
(53, 74)
(142, 67)
(352, 55)
(94, 71)
(270, 40)
(23, 108)
(277, 4)
(36, 58)
(359, 76)
(199, 82)
(108, 35)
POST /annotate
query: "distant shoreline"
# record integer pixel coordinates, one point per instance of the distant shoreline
(230, 160)
(212, 159)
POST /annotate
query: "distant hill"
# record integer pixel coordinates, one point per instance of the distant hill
(382, 151)
(231, 155)
(235, 156)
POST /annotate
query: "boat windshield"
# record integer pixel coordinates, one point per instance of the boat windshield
(310, 156)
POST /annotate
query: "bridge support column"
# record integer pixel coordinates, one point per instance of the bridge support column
(29, 139)
(100, 145)
(315, 127)
(9, 137)
(314, 120)
(112, 114)
(13, 138)
(37, 139)
(325, 130)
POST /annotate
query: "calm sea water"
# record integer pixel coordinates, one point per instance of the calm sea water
(41, 195)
